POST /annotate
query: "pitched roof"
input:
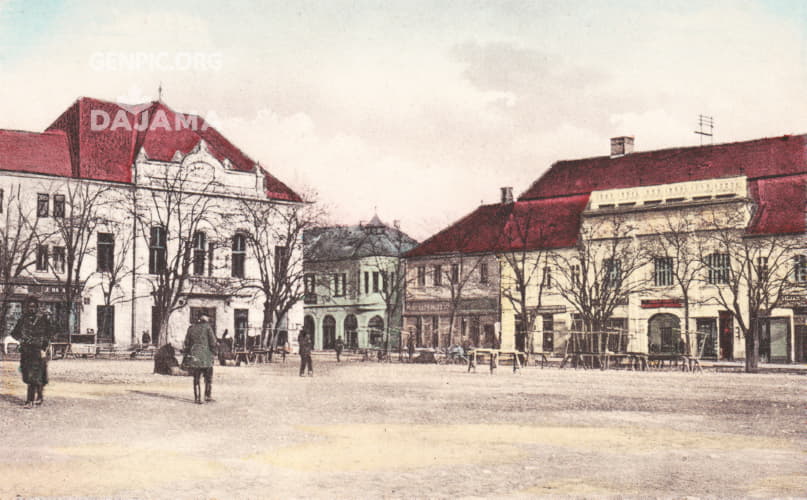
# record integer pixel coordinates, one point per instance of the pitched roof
(354, 242)
(551, 208)
(753, 159)
(45, 153)
(104, 139)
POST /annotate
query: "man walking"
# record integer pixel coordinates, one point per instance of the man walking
(305, 354)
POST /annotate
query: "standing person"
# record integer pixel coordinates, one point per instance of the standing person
(33, 331)
(305, 354)
(340, 344)
(200, 344)
(410, 346)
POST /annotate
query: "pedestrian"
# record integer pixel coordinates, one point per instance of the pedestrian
(200, 344)
(410, 346)
(340, 344)
(33, 331)
(306, 345)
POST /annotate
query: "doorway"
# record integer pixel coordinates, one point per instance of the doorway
(726, 325)
(240, 326)
(328, 332)
(801, 344)
(707, 338)
(664, 334)
(351, 332)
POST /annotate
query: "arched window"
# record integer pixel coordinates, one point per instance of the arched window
(239, 255)
(328, 332)
(664, 334)
(376, 327)
(199, 252)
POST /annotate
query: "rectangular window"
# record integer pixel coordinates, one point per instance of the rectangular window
(105, 318)
(281, 260)
(58, 259)
(483, 273)
(157, 250)
(613, 272)
(375, 281)
(105, 243)
(549, 333)
(239, 255)
(210, 248)
(199, 253)
(800, 268)
(42, 204)
(309, 283)
(421, 275)
(718, 264)
(384, 281)
(574, 273)
(2, 199)
(58, 205)
(547, 279)
(455, 273)
(663, 271)
(42, 258)
(366, 282)
(438, 275)
(762, 269)
(339, 284)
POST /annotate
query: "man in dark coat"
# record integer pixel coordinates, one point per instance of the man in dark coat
(306, 345)
(340, 344)
(200, 344)
(33, 331)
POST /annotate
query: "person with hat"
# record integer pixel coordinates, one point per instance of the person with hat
(200, 344)
(33, 331)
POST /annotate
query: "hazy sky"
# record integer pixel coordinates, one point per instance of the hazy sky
(421, 109)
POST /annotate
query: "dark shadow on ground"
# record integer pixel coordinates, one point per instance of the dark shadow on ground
(14, 400)
(163, 396)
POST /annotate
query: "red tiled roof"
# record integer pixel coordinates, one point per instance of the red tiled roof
(552, 206)
(45, 153)
(753, 159)
(780, 205)
(549, 223)
(108, 152)
(477, 232)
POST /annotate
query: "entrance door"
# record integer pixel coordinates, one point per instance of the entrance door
(240, 326)
(351, 331)
(328, 332)
(726, 325)
(664, 334)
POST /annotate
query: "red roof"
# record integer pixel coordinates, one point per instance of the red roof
(33, 152)
(552, 206)
(753, 159)
(780, 203)
(105, 138)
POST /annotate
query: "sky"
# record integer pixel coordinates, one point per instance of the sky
(418, 111)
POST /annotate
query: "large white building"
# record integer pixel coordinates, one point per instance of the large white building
(166, 188)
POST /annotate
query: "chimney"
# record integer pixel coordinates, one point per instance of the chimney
(621, 146)
(507, 195)
(396, 224)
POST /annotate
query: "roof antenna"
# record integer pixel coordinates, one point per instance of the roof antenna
(705, 122)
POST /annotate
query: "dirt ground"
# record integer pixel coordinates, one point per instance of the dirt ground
(369, 430)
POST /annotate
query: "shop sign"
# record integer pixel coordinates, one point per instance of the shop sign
(551, 310)
(656, 303)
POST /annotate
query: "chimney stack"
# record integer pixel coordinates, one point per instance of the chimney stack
(621, 146)
(507, 195)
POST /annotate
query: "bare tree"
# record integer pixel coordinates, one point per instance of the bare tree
(524, 253)
(274, 236)
(752, 273)
(18, 239)
(676, 253)
(77, 211)
(387, 250)
(168, 213)
(601, 272)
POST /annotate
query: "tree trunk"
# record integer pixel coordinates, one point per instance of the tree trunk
(687, 342)
(752, 348)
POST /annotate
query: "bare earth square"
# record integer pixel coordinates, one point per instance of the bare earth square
(369, 430)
